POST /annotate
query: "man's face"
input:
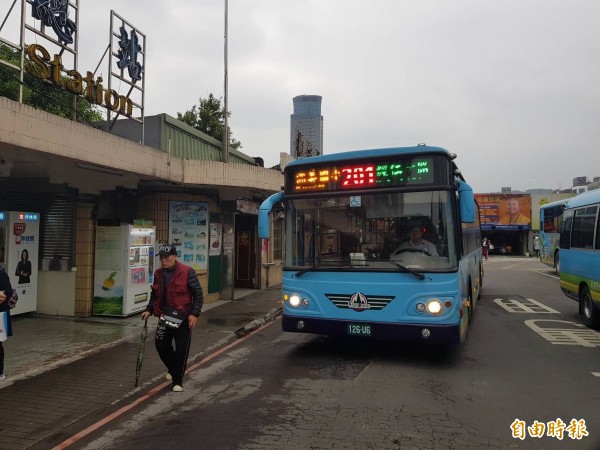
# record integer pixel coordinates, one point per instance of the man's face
(167, 261)
(512, 206)
(415, 235)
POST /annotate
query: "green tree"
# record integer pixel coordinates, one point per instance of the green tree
(41, 94)
(209, 118)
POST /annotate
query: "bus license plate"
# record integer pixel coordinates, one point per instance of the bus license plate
(359, 329)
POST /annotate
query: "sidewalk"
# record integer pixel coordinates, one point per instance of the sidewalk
(60, 370)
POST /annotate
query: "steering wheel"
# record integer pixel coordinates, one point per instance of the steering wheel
(411, 250)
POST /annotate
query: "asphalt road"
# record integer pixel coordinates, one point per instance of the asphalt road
(526, 361)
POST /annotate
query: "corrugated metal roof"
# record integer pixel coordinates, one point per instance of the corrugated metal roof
(188, 143)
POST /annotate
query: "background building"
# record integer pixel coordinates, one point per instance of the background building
(306, 127)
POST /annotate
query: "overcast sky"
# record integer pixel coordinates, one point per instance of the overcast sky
(512, 86)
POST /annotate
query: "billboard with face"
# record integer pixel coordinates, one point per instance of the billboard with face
(505, 211)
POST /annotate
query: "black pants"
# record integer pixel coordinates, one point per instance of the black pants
(175, 359)
(1, 358)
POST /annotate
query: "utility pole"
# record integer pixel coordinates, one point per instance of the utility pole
(225, 110)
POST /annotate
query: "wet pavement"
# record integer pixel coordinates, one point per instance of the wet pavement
(62, 370)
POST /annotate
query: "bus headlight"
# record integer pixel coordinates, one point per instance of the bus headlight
(294, 300)
(434, 307)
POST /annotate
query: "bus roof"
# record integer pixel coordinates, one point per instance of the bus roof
(371, 153)
(585, 198)
(555, 204)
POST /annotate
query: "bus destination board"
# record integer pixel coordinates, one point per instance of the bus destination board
(376, 175)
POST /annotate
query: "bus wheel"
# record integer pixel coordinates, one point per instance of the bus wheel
(591, 315)
(557, 263)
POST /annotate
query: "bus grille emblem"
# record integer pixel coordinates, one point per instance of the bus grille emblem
(358, 302)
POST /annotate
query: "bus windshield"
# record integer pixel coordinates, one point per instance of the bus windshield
(372, 232)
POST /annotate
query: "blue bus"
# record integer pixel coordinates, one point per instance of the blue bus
(580, 255)
(551, 217)
(382, 243)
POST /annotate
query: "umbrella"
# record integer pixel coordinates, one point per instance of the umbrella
(140, 356)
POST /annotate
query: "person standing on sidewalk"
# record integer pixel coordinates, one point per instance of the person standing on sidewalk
(8, 300)
(485, 248)
(175, 286)
(536, 246)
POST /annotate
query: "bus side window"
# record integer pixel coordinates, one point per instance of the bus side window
(565, 230)
(582, 228)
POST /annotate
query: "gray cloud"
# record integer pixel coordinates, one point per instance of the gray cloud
(510, 86)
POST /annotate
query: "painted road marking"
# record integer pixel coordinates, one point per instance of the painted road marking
(526, 306)
(514, 265)
(596, 374)
(577, 334)
(546, 274)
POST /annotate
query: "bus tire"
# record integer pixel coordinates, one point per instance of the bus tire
(557, 263)
(591, 314)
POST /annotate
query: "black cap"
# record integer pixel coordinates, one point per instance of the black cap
(167, 250)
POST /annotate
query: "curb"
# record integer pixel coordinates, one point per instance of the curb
(257, 323)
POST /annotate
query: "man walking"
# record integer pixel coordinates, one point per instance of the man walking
(176, 299)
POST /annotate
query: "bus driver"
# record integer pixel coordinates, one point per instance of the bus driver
(417, 243)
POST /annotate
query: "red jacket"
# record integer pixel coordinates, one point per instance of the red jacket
(183, 291)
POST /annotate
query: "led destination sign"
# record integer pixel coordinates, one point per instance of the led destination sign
(380, 174)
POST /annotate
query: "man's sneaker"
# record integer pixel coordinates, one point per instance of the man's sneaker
(177, 388)
(168, 377)
(2, 377)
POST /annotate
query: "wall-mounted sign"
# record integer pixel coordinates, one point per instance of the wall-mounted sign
(247, 206)
(188, 232)
(128, 54)
(42, 66)
(55, 14)
(504, 211)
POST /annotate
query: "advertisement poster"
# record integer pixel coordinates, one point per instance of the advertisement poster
(109, 282)
(20, 251)
(138, 275)
(215, 239)
(504, 211)
(189, 232)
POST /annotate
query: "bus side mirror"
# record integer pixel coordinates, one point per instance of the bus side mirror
(264, 229)
(466, 200)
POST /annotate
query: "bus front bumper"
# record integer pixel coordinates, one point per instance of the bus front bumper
(439, 334)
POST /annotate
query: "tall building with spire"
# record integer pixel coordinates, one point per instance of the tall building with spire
(306, 127)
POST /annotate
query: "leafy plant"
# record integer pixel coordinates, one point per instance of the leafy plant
(209, 118)
(41, 94)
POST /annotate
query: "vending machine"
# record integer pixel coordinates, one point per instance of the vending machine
(19, 255)
(123, 269)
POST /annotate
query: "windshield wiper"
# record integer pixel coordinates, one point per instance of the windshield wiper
(419, 275)
(308, 269)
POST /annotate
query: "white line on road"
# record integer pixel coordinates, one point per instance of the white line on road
(513, 265)
(596, 374)
(545, 274)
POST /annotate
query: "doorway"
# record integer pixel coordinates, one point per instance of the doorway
(245, 274)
